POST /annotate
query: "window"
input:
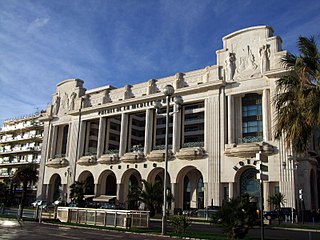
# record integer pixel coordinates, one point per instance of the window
(252, 128)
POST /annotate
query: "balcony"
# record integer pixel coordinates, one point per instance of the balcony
(88, 159)
(57, 162)
(136, 155)
(110, 157)
(191, 151)
(248, 150)
(159, 155)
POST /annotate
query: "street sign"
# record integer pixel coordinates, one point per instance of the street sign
(262, 167)
(263, 177)
(261, 157)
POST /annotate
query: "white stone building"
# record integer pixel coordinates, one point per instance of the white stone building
(111, 138)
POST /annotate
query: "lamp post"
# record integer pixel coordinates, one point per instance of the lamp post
(168, 92)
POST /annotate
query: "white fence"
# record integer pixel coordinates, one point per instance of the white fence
(104, 217)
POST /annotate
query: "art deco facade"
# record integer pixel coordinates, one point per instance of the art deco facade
(111, 138)
(20, 144)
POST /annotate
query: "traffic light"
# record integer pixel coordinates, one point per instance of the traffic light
(301, 194)
(262, 168)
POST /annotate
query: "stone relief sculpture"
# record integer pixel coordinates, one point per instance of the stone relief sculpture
(152, 87)
(106, 98)
(264, 52)
(179, 80)
(56, 106)
(71, 101)
(86, 101)
(230, 66)
(247, 63)
(65, 101)
(127, 92)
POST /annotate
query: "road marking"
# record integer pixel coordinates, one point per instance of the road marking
(107, 235)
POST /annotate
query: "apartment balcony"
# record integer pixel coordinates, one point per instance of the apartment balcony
(191, 151)
(20, 150)
(57, 162)
(32, 138)
(88, 159)
(17, 163)
(110, 157)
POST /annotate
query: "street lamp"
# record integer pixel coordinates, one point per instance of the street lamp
(293, 166)
(168, 92)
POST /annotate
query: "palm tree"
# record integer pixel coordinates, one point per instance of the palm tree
(77, 190)
(236, 216)
(151, 195)
(25, 175)
(277, 200)
(297, 101)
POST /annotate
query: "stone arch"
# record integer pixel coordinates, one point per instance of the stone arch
(56, 189)
(130, 178)
(157, 174)
(88, 179)
(191, 194)
(248, 183)
(107, 183)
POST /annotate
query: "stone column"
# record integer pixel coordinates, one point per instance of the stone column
(266, 194)
(230, 119)
(101, 136)
(265, 114)
(148, 131)
(96, 189)
(82, 135)
(231, 186)
(176, 130)
(120, 193)
(173, 192)
(123, 134)
(53, 142)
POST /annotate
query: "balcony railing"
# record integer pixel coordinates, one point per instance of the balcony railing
(250, 139)
(193, 144)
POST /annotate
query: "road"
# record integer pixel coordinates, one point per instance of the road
(39, 231)
(12, 230)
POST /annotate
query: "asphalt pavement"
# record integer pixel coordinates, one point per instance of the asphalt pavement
(26, 230)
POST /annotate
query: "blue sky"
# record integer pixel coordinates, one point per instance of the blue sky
(120, 42)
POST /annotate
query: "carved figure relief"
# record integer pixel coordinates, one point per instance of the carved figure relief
(247, 63)
(179, 80)
(264, 52)
(56, 106)
(71, 101)
(230, 66)
(127, 92)
(64, 101)
(152, 87)
(106, 98)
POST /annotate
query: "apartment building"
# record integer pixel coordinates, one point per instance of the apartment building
(20, 144)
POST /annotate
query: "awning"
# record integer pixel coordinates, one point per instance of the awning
(104, 198)
(88, 196)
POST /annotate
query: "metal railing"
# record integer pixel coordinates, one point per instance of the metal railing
(104, 217)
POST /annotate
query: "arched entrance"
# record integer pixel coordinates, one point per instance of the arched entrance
(190, 187)
(87, 178)
(130, 179)
(107, 184)
(56, 191)
(250, 185)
